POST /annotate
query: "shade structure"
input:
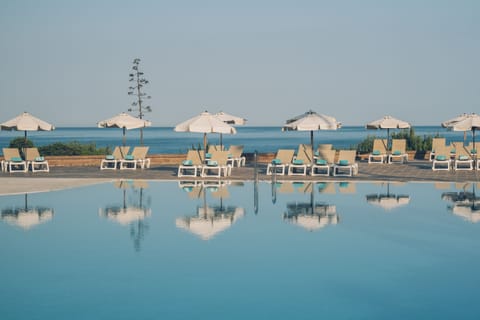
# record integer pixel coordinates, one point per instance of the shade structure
(125, 122)
(311, 121)
(26, 122)
(229, 119)
(464, 122)
(205, 123)
(388, 122)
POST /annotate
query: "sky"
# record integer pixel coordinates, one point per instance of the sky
(67, 62)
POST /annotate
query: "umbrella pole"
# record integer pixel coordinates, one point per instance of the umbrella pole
(221, 142)
(311, 143)
(124, 139)
(205, 142)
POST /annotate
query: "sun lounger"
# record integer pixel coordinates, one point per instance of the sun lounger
(35, 162)
(138, 157)
(379, 152)
(111, 161)
(13, 160)
(442, 158)
(302, 161)
(192, 165)
(399, 151)
(463, 159)
(436, 143)
(323, 163)
(235, 156)
(282, 160)
(217, 165)
(454, 145)
(346, 164)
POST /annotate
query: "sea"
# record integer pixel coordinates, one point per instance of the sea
(164, 140)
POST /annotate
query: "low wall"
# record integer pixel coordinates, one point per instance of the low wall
(175, 159)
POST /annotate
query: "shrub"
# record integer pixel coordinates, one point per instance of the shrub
(20, 143)
(414, 142)
(73, 148)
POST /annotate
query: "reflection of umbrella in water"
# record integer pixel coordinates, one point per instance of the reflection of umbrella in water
(211, 220)
(311, 215)
(26, 217)
(465, 204)
(132, 215)
(388, 201)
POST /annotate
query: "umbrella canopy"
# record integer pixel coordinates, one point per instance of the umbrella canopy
(229, 119)
(388, 122)
(205, 123)
(26, 122)
(311, 121)
(125, 122)
(464, 122)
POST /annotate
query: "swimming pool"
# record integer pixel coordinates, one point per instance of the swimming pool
(229, 250)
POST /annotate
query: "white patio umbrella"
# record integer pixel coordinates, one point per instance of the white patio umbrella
(205, 123)
(464, 122)
(229, 119)
(388, 122)
(312, 121)
(125, 122)
(26, 122)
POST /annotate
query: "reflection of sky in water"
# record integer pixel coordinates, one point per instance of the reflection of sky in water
(418, 259)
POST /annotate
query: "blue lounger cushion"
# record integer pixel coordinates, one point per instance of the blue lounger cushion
(109, 157)
(187, 162)
(321, 162)
(376, 152)
(276, 161)
(212, 163)
(441, 158)
(343, 162)
(396, 153)
(16, 159)
(298, 161)
(129, 157)
(39, 159)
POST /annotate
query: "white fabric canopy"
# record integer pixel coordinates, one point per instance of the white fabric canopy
(125, 122)
(388, 122)
(230, 119)
(26, 122)
(312, 121)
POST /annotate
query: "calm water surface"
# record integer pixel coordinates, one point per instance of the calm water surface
(160, 250)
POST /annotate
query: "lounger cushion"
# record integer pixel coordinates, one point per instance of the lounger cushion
(276, 161)
(298, 161)
(376, 152)
(397, 153)
(187, 162)
(16, 159)
(212, 163)
(343, 162)
(110, 157)
(321, 162)
(208, 155)
(39, 159)
(441, 158)
(129, 157)
(462, 157)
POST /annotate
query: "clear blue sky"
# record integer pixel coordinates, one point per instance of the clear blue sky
(68, 62)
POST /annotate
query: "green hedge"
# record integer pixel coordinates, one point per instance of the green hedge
(73, 148)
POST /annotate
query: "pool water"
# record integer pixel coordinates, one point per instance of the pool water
(229, 250)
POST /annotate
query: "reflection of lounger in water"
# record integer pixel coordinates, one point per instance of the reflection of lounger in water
(346, 187)
(326, 187)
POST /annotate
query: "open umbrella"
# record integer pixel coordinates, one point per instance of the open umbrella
(464, 122)
(311, 121)
(26, 122)
(388, 122)
(229, 119)
(205, 123)
(125, 122)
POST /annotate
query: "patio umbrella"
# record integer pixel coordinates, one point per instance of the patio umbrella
(26, 122)
(229, 119)
(311, 121)
(388, 122)
(464, 122)
(125, 122)
(26, 217)
(205, 123)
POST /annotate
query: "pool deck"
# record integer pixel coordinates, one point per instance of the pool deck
(76, 176)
